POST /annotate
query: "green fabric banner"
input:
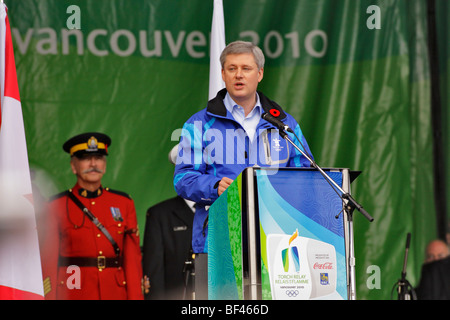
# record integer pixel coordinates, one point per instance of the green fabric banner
(354, 73)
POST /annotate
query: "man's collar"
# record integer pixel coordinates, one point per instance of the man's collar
(230, 104)
(217, 107)
(90, 194)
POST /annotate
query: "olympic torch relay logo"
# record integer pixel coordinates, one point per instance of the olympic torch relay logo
(294, 255)
(301, 267)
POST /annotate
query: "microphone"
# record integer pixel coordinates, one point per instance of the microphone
(277, 123)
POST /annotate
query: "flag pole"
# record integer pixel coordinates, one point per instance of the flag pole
(216, 46)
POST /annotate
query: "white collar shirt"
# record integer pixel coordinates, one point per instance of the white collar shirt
(191, 204)
(249, 122)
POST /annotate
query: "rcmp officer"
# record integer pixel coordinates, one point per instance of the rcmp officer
(90, 248)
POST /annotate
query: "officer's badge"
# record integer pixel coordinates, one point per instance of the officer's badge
(116, 214)
(92, 144)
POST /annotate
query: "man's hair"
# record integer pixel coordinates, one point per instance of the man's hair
(238, 47)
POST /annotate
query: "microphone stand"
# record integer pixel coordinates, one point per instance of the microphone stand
(189, 276)
(350, 205)
(405, 290)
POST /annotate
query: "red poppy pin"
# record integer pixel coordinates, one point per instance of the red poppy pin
(274, 112)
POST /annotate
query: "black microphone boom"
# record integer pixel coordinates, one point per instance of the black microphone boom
(351, 203)
(277, 123)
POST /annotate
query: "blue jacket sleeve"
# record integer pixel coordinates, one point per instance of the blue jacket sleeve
(297, 159)
(190, 178)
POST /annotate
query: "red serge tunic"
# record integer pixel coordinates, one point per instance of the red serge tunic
(68, 237)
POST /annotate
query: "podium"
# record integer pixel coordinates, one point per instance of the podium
(281, 234)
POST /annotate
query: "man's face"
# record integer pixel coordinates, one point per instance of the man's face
(241, 76)
(89, 169)
(436, 250)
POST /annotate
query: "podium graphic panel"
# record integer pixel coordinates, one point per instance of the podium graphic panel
(300, 242)
(304, 254)
(225, 245)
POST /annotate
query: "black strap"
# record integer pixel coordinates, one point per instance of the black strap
(100, 262)
(95, 221)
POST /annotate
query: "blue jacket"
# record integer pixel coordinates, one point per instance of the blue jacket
(213, 145)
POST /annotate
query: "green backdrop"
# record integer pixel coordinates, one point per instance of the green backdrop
(137, 70)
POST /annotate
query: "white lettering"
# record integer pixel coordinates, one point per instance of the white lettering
(279, 45)
(114, 42)
(65, 40)
(91, 42)
(198, 310)
(174, 46)
(157, 51)
(22, 44)
(74, 21)
(47, 46)
(74, 281)
(309, 46)
(374, 21)
(374, 280)
(213, 152)
(293, 36)
(123, 42)
(195, 39)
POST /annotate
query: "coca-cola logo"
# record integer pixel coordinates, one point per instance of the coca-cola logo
(323, 266)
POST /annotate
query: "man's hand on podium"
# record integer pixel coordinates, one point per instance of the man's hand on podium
(223, 185)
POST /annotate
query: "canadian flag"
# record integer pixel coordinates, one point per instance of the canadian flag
(20, 266)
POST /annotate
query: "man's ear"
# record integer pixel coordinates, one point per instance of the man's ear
(72, 165)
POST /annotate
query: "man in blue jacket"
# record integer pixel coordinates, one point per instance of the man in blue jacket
(220, 141)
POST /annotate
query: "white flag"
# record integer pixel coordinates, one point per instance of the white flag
(217, 45)
(20, 264)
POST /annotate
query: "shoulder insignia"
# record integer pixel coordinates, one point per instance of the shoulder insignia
(59, 195)
(47, 286)
(124, 194)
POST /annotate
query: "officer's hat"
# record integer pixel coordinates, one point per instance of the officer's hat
(87, 143)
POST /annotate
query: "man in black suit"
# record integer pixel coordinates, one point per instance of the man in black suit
(435, 276)
(167, 246)
(435, 281)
